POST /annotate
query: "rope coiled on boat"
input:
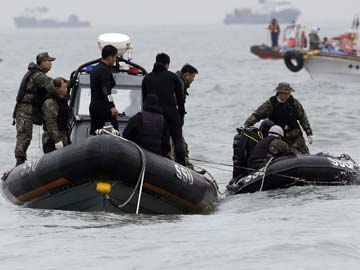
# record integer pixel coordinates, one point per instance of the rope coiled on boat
(141, 175)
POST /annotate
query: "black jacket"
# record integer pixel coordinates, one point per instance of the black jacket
(149, 130)
(101, 84)
(166, 85)
(284, 114)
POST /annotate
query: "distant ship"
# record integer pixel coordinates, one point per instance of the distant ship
(283, 12)
(33, 18)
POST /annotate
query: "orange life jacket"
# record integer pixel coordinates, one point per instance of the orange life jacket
(274, 28)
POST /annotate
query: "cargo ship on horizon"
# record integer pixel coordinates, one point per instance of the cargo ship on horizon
(283, 12)
(34, 18)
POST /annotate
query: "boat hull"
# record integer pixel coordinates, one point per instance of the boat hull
(339, 68)
(67, 179)
(266, 52)
(321, 170)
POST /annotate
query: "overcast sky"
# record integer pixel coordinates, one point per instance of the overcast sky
(113, 12)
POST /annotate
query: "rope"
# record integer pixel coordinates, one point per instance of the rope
(240, 167)
(250, 137)
(263, 178)
(141, 176)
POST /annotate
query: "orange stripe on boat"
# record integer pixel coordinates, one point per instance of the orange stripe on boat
(42, 190)
(175, 198)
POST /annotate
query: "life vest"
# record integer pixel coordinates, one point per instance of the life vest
(151, 133)
(284, 114)
(38, 94)
(64, 112)
(347, 45)
(274, 28)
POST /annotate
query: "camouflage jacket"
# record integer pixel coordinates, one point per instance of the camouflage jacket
(278, 147)
(314, 41)
(39, 81)
(265, 111)
(50, 110)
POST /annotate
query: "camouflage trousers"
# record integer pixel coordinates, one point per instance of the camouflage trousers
(24, 128)
(296, 142)
(187, 159)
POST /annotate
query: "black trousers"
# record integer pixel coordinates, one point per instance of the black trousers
(274, 39)
(100, 114)
(173, 121)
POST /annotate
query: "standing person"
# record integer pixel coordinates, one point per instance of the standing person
(57, 117)
(166, 85)
(274, 29)
(148, 128)
(287, 112)
(186, 75)
(269, 147)
(33, 88)
(102, 107)
(314, 39)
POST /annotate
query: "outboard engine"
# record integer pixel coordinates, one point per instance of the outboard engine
(244, 144)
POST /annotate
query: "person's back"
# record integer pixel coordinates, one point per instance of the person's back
(271, 146)
(148, 128)
(163, 83)
(167, 86)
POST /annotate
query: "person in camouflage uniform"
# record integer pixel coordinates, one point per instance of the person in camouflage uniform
(186, 76)
(57, 116)
(33, 88)
(287, 112)
(314, 39)
(270, 147)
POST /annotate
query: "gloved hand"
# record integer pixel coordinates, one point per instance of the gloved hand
(310, 139)
(59, 145)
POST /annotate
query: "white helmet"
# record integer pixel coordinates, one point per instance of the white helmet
(315, 29)
(277, 130)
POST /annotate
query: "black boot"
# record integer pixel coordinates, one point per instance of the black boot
(19, 161)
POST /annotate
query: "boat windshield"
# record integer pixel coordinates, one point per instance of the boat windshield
(126, 100)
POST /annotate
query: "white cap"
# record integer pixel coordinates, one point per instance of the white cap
(277, 130)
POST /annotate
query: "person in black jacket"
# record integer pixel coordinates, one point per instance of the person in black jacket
(102, 107)
(148, 128)
(166, 85)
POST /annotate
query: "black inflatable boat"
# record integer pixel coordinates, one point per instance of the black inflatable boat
(103, 172)
(106, 172)
(287, 171)
(319, 169)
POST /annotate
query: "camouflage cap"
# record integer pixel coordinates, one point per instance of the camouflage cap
(44, 56)
(284, 87)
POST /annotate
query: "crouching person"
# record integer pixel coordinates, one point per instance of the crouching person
(148, 128)
(270, 147)
(57, 116)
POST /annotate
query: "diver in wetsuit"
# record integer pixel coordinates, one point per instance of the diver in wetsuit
(102, 107)
(166, 85)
